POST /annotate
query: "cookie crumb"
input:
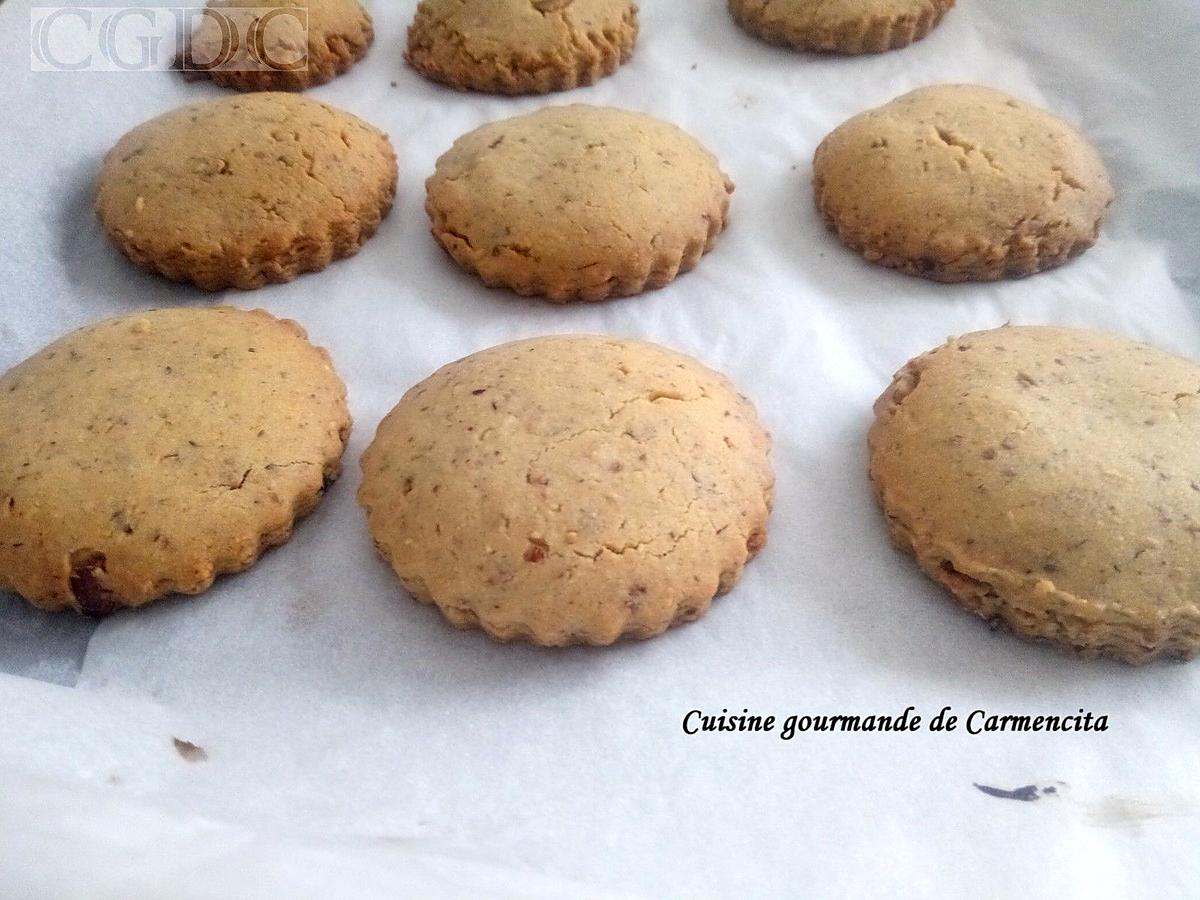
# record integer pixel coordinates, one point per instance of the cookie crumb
(190, 752)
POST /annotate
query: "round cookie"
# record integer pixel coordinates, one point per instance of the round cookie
(521, 46)
(961, 183)
(571, 489)
(147, 454)
(246, 190)
(1048, 477)
(840, 26)
(255, 45)
(577, 202)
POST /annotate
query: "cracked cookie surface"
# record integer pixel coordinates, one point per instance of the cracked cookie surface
(147, 454)
(521, 46)
(961, 183)
(577, 202)
(335, 34)
(246, 190)
(572, 489)
(840, 26)
(1050, 479)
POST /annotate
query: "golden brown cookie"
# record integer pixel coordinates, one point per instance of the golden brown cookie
(246, 190)
(840, 26)
(147, 454)
(577, 202)
(276, 45)
(1050, 479)
(521, 46)
(961, 183)
(571, 489)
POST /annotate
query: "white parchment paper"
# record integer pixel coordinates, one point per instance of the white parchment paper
(357, 746)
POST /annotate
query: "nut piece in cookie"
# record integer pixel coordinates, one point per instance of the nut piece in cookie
(840, 26)
(246, 190)
(577, 202)
(571, 489)
(961, 183)
(521, 46)
(276, 45)
(1047, 477)
(147, 454)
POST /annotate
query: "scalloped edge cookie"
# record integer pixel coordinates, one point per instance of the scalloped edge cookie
(1026, 599)
(873, 31)
(142, 483)
(440, 53)
(514, 241)
(519, 505)
(157, 177)
(961, 182)
(337, 40)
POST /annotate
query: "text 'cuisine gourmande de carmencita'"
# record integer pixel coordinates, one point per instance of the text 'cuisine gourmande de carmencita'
(978, 721)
